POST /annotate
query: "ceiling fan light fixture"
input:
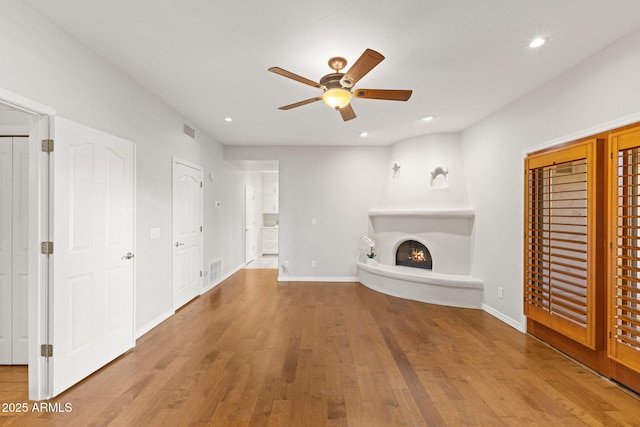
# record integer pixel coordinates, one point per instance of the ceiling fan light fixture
(336, 97)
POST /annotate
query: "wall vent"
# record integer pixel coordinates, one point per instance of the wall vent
(215, 271)
(188, 130)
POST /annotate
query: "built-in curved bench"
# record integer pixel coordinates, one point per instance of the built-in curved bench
(423, 285)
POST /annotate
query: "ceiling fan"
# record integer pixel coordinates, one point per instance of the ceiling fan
(337, 86)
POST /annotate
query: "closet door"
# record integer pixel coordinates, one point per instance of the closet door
(20, 262)
(6, 289)
(624, 265)
(560, 284)
(14, 239)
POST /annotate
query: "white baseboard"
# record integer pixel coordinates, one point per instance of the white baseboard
(222, 279)
(520, 326)
(316, 279)
(155, 322)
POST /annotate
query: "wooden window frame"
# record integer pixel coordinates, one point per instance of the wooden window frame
(589, 335)
(624, 249)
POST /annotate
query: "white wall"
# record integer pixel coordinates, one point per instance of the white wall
(42, 63)
(335, 185)
(603, 89)
(410, 186)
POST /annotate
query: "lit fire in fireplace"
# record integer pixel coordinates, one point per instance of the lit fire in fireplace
(416, 255)
(412, 253)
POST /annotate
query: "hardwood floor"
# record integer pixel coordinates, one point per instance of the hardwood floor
(255, 352)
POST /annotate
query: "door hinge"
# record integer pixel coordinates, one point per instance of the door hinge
(201, 229)
(200, 184)
(46, 350)
(47, 145)
(200, 273)
(46, 248)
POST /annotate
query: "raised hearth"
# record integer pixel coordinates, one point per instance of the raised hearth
(423, 285)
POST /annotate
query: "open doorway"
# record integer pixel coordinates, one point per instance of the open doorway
(263, 178)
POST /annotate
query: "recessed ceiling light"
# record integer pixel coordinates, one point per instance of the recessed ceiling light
(228, 119)
(427, 119)
(537, 42)
(363, 134)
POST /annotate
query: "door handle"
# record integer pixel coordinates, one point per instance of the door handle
(129, 255)
(179, 244)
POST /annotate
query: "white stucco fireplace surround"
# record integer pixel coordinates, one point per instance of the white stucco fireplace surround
(425, 200)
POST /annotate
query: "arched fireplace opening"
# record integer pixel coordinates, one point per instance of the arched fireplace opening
(412, 253)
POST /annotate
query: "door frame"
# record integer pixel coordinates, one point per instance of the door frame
(40, 224)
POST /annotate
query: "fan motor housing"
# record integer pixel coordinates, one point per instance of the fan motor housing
(332, 81)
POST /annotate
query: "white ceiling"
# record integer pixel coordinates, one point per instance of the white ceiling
(464, 59)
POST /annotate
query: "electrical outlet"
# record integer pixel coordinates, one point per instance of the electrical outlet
(500, 292)
(313, 263)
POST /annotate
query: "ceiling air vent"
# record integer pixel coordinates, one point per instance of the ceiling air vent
(188, 130)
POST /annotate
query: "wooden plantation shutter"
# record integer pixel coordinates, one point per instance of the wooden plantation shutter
(560, 240)
(624, 273)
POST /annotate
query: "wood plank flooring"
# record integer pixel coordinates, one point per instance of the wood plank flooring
(255, 352)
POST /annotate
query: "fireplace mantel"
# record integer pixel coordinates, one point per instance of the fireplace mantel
(424, 212)
(454, 221)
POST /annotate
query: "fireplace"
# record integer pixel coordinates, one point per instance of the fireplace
(412, 253)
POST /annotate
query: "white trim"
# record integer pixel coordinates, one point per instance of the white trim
(24, 104)
(603, 127)
(135, 240)
(153, 323)
(40, 127)
(222, 279)
(520, 326)
(316, 279)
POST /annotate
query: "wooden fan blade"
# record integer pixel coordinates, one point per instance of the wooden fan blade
(295, 77)
(301, 103)
(347, 112)
(386, 94)
(367, 61)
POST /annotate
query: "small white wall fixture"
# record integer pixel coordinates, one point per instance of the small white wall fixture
(439, 177)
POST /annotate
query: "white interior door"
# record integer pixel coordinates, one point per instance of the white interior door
(6, 225)
(93, 236)
(20, 251)
(14, 249)
(250, 224)
(187, 232)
